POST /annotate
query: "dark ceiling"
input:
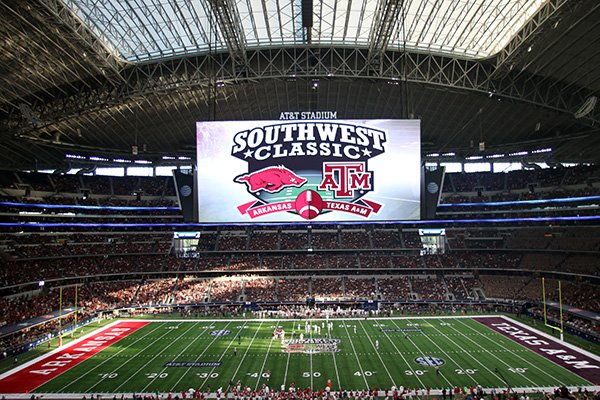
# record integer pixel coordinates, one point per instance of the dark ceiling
(62, 93)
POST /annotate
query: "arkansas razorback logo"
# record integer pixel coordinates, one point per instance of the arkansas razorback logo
(271, 179)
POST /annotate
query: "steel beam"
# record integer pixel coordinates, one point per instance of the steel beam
(179, 75)
(230, 26)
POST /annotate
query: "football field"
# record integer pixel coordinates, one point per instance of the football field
(355, 354)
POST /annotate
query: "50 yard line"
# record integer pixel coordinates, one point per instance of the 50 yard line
(287, 364)
(339, 383)
(312, 385)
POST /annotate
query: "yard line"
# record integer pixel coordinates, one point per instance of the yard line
(311, 361)
(337, 374)
(404, 359)
(485, 349)
(246, 352)
(265, 360)
(362, 371)
(519, 357)
(287, 364)
(233, 339)
(200, 355)
(377, 352)
(107, 360)
(116, 390)
(443, 375)
(177, 356)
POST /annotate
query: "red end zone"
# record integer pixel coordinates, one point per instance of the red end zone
(49, 366)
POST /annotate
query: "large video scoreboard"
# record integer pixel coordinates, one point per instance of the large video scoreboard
(308, 171)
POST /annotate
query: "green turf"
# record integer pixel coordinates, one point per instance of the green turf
(470, 350)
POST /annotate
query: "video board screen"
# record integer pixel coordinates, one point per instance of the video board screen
(308, 171)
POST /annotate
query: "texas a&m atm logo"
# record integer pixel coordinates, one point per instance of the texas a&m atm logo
(346, 177)
(308, 168)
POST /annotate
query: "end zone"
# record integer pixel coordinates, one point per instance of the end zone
(35, 373)
(572, 358)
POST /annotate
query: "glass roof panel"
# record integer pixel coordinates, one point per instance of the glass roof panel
(143, 30)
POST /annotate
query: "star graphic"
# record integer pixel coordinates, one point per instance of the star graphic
(248, 153)
(366, 153)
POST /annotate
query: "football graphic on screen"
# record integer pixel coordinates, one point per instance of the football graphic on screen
(309, 204)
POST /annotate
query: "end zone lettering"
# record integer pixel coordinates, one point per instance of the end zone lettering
(309, 139)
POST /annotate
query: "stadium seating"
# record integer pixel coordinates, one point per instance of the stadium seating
(116, 267)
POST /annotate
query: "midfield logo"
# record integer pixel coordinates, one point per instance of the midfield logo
(308, 168)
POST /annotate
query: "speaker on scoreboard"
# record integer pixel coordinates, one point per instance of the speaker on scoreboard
(186, 194)
(431, 190)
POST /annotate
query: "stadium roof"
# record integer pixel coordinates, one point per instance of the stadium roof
(99, 76)
(140, 31)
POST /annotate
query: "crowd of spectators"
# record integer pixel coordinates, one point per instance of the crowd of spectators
(232, 241)
(106, 185)
(140, 257)
(260, 290)
(371, 261)
(293, 289)
(359, 288)
(520, 179)
(582, 264)
(192, 290)
(56, 256)
(324, 239)
(293, 240)
(155, 292)
(22, 308)
(113, 294)
(386, 238)
(355, 239)
(260, 240)
(245, 262)
(394, 288)
(106, 295)
(24, 246)
(429, 288)
(462, 287)
(225, 290)
(411, 240)
(578, 324)
(56, 244)
(327, 288)
(293, 392)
